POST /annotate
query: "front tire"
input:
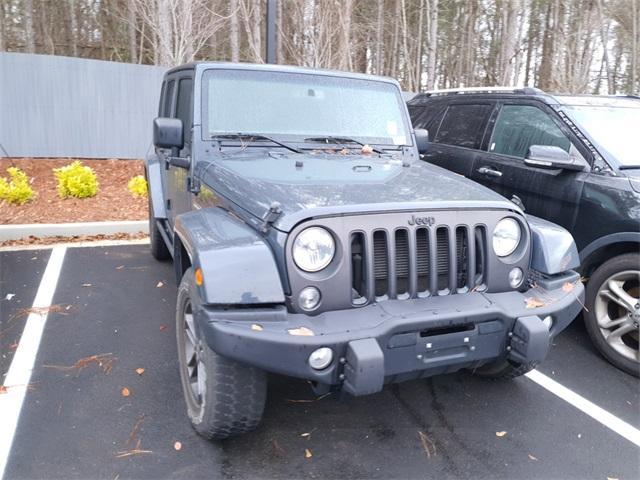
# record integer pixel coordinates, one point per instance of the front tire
(224, 398)
(613, 311)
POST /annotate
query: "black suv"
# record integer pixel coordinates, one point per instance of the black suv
(572, 160)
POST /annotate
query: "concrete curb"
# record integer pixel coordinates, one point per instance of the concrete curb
(16, 232)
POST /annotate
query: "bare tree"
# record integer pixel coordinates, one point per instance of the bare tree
(432, 42)
(233, 31)
(29, 33)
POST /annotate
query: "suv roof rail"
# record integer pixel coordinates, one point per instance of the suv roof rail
(463, 90)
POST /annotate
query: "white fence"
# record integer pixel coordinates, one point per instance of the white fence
(71, 107)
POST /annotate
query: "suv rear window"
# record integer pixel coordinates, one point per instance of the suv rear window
(520, 126)
(463, 125)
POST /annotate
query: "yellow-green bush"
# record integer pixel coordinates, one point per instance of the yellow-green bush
(17, 188)
(76, 180)
(138, 186)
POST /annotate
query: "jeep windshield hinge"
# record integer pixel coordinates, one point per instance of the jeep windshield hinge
(193, 183)
(275, 210)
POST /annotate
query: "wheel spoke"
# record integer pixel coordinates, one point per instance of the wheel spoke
(626, 300)
(202, 377)
(608, 324)
(189, 329)
(614, 339)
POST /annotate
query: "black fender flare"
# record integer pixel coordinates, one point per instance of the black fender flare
(237, 263)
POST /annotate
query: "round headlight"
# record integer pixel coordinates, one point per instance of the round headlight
(313, 249)
(506, 237)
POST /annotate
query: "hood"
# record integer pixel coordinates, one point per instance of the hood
(312, 185)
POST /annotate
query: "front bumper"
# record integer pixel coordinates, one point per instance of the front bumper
(397, 340)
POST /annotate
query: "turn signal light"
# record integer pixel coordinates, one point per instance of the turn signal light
(199, 278)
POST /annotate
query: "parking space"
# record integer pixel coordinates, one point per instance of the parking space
(118, 303)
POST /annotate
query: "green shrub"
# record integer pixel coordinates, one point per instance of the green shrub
(17, 188)
(76, 180)
(138, 186)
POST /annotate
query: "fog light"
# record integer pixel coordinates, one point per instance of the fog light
(309, 298)
(320, 358)
(515, 277)
(548, 322)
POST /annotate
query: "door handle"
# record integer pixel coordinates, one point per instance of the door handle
(489, 172)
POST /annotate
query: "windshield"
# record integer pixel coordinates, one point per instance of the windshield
(611, 128)
(296, 106)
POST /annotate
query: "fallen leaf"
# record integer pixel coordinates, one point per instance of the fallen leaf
(501, 434)
(163, 328)
(307, 434)
(307, 453)
(532, 302)
(9, 296)
(427, 444)
(301, 332)
(86, 284)
(568, 287)
(177, 446)
(366, 149)
(125, 392)
(612, 478)
(531, 457)
(139, 371)
(120, 267)
(160, 284)
(256, 327)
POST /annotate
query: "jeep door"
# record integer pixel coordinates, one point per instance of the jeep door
(553, 194)
(177, 195)
(456, 131)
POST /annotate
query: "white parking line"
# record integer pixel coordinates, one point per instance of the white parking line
(610, 421)
(19, 374)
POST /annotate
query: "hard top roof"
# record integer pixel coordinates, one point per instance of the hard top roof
(201, 66)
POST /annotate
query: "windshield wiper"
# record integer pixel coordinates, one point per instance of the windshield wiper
(251, 137)
(339, 140)
(628, 167)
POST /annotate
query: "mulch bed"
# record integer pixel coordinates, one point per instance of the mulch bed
(113, 201)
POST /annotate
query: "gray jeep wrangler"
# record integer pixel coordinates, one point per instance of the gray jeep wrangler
(309, 240)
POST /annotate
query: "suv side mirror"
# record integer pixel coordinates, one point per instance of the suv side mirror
(422, 140)
(547, 156)
(167, 133)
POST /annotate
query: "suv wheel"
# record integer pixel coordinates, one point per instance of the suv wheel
(613, 311)
(224, 398)
(159, 249)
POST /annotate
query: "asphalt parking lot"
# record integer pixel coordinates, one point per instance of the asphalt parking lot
(118, 302)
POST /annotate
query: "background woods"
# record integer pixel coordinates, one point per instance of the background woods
(581, 46)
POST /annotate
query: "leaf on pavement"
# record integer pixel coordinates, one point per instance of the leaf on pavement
(256, 327)
(140, 371)
(104, 361)
(177, 446)
(531, 457)
(163, 328)
(307, 453)
(159, 284)
(120, 267)
(501, 434)
(125, 392)
(86, 284)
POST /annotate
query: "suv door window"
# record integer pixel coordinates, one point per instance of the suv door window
(168, 98)
(183, 108)
(427, 116)
(520, 126)
(463, 125)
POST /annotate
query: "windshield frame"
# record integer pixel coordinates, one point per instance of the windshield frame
(299, 139)
(611, 159)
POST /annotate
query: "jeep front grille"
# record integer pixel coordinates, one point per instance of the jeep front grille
(416, 262)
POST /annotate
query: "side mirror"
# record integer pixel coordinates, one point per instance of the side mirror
(547, 156)
(422, 140)
(167, 133)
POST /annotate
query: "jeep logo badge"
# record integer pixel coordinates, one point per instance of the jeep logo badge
(422, 220)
